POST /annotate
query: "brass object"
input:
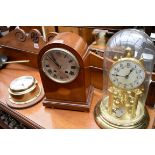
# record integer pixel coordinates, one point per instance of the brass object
(102, 118)
(128, 51)
(20, 61)
(115, 58)
(24, 90)
(123, 107)
(4, 58)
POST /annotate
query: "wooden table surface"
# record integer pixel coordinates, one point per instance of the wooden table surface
(47, 117)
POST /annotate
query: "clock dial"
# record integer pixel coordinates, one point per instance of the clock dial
(22, 83)
(60, 65)
(127, 74)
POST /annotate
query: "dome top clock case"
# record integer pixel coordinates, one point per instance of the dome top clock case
(63, 66)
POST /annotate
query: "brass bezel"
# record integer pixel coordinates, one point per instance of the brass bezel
(22, 90)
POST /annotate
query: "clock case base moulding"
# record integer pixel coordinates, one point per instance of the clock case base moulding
(70, 105)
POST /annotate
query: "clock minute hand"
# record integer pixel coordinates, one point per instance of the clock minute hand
(55, 62)
(53, 59)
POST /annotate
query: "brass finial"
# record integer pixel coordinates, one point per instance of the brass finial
(128, 51)
(142, 60)
(115, 58)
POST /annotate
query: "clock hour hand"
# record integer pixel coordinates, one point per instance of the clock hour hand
(125, 76)
(54, 60)
(118, 75)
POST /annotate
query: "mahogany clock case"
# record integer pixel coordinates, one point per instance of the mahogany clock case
(77, 94)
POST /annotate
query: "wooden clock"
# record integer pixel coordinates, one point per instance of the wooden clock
(65, 73)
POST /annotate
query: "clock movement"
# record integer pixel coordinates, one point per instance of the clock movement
(65, 73)
(128, 65)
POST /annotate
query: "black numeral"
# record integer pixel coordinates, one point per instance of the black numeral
(70, 61)
(114, 80)
(121, 65)
(116, 69)
(49, 71)
(73, 67)
(128, 64)
(71, 73)
(119, 83)
(55, 76)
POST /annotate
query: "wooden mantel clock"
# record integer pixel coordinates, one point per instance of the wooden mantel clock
(65, 73)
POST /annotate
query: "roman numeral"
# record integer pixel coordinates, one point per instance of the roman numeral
(49, 71)
(55, 76)
(71, 73)
(70, 61)
(73, 67)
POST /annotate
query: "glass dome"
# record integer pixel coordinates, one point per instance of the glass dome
(128, 64)
(140, 43)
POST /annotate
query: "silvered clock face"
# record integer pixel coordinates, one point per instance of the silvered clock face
(60, 65)
(127, 74)
(22, 83)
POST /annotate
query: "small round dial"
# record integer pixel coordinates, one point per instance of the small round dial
(60, 65)
(127, 74)
(22, 83)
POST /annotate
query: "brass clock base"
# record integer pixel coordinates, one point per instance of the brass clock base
(25, 104)
(104, 123)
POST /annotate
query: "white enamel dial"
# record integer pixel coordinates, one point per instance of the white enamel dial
(22, 83)
(60, 65)
(127, 74)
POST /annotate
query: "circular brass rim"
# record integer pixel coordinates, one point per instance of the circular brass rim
(22, 90)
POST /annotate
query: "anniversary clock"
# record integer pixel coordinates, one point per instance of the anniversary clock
(128, 65)
(65, 74)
